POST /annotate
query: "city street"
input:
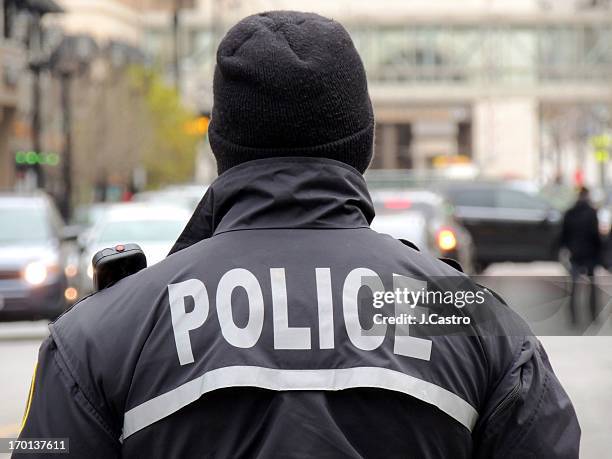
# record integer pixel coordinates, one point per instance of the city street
(582, 363)
(477, 133)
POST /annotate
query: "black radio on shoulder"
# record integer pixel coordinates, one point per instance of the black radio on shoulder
(112, 264)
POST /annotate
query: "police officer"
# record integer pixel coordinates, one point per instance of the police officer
(253, 339)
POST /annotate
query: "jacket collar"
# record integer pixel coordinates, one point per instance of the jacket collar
(299, 193)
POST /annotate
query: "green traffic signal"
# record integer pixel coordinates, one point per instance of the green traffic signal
(32, 157)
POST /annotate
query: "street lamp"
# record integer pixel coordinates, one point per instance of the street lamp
(175, 42)
(37, 9)
(177, 6)
(70, 59)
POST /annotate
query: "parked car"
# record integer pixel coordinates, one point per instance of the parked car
(425, 219)
(154, 227)
(507, 221)
(32, 258)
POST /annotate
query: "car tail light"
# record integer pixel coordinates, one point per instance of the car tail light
(446, 239)
(397, 204)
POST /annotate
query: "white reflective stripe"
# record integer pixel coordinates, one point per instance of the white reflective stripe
(164, 405)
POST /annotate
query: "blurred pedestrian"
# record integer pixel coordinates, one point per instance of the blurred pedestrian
(580, 235)
(249, 339)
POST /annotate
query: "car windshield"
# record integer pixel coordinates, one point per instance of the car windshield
(140, 230)
(21, 224)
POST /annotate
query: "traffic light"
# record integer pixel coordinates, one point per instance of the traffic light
(602, 156)
(31, 158)
(601, 145)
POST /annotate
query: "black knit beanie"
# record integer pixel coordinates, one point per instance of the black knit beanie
(290, 84)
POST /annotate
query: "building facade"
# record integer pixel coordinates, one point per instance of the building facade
(20, 46)
(515, 88)
(510, 88)
(104, 20)
(70, 116)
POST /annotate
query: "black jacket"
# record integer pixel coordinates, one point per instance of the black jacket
(254, 339)
(580, 234)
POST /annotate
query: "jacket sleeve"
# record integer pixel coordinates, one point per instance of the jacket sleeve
(529, 414)
(57, 408)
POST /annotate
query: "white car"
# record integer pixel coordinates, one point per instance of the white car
(423, 218)
(154, 228)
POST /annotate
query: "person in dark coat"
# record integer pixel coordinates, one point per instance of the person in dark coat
(580, 235)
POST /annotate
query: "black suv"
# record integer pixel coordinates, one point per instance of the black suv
(507, 221)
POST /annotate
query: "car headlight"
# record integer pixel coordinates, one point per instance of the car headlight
(35, 273)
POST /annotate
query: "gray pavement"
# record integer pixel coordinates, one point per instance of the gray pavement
(23, 331)
(17, 360)
(582, 363)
